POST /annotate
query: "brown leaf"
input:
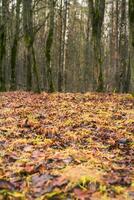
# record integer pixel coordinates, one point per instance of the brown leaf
(6, 185)
(82, 195)
(39, 180)
(59, 182)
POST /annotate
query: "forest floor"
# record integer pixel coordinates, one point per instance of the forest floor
(66, 146)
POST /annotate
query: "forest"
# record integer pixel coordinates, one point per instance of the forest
(66, 99)
(67, 46)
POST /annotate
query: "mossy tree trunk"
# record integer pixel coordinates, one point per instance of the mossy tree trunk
(3, 23)
(27, 23)
(123, 68)
(87, 72)
(97, 9)
(29, 36)
(116, 44)
(48, 47)
(60, 72)
(13, 84)
(64, 20)
(131, 21)
(131, 31)
(65, 42)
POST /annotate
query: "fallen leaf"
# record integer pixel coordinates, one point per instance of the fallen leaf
(6, 185)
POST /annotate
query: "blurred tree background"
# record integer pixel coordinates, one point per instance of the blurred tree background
(67, 45)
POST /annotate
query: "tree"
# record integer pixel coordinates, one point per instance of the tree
(97, 9)
(122, 72)
(48, 48)
(67, 45)
(14, 48)
(131, 31)
(131, 21)
(3, 35)
(29, 37)
(87, 68)
(60, 70)
(64, 20)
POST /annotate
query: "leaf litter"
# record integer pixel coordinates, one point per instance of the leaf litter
(66, 146)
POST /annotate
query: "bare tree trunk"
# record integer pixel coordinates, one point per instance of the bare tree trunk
(131, 21)
(27, 23)
(49, 43)
(3, 23)
(64, 20)
(110, 70)
(131, 36)
(97, 18)
(116, 44)
(87, 74)
(13, 84)
(60, 71)
(121, 81)
(29, 37)
(65, 42)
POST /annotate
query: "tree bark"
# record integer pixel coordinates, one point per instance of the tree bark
(48, 48)
(13, 84)
(131, 36)
(97, 18)
(29, 37)
(60, 71)
(3, 35)
(122, 73)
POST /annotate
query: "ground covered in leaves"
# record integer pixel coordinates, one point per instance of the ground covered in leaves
(66, 146)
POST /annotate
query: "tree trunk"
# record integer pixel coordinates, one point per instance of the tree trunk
(13, 84)
(131, 21)
(29, 36)
(122, 73)
(97, 18)
(131, 36)
(65, 41)
(49, 43)
(60, 71)
(116, 44)
(3, 23)
(87, 72)
(110, 70)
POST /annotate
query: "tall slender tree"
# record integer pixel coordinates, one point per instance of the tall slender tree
(65, 41)
(3, 36)
(87, 68)
(48, 47)
(122, 49)
(14, 48)
(60, 71)
(64, 21)
(97, 9)
(29, 37)
(131, 31)
(131, 21)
